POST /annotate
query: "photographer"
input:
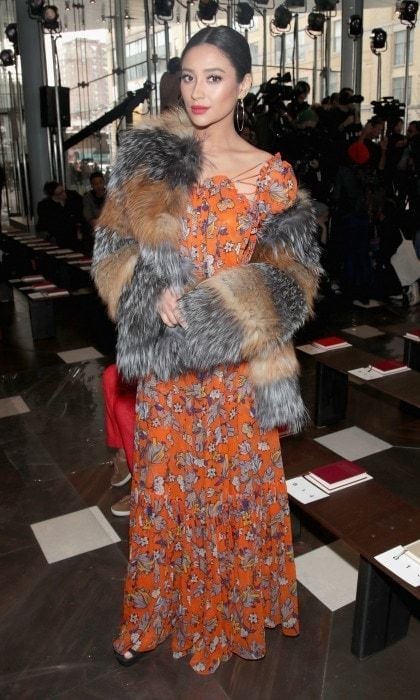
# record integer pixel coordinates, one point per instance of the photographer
(343, 117)
(299, 102)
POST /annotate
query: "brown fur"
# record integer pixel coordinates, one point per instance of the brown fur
(174, 120)
(306, 279)
(239, 290)
(112, 274)
(145, 210)
(281, 363)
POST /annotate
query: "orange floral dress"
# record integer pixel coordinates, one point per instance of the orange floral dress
(211, 558)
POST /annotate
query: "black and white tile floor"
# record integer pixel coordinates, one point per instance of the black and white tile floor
(63, 554)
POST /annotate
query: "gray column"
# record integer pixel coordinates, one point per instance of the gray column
(351, 51)
(33, 76)
(120, 8)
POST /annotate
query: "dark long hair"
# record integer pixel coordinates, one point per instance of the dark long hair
(230, 42)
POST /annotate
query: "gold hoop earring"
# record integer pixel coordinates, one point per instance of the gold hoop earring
(240, 115)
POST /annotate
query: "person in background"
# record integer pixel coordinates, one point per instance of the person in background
(169, 87)
(93, 200)
(120, 400)
(60, 215)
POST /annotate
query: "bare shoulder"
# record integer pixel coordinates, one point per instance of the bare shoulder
(254, 155)
(247, 158)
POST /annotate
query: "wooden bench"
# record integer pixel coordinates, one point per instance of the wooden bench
(30, 260)
(29, 257)
(370, 519)
(332, 381)
(40, 305)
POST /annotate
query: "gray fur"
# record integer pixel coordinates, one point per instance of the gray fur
(280, 403)
(296, 233)
(159, 155)
(144, 343)
(287, 297)
(107, 243)
(213, 335)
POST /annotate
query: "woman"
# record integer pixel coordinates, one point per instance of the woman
(207, 335)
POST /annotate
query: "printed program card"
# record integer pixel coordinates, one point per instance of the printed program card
(304, 491)
(366, 373)
(401, 565)
(310, 349)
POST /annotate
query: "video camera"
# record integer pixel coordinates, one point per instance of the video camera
(275, 89)
(389, 109)
(351, 99)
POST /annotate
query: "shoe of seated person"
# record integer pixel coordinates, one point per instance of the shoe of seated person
(122, 474)
(122, 507)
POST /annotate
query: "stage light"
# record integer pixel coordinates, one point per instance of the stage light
(355, 26)
(407, 12)
(378, 39)
(325, 5)
(282, 17)
(207, 10)
(7, 57)
(50, 18)
(296, 5)
(163, 9)
(316, 21)
(36, 7)
(244, 14)
(11, 32)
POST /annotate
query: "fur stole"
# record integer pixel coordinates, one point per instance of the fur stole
(248, 313)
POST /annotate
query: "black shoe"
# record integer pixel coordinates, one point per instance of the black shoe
(128, 662)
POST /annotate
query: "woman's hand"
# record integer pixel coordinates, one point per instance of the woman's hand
(168, 309)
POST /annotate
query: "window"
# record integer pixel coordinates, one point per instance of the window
(289, 47)
(336, 36)
(335, 79)
(254, 53)
(399, 48)
(398, 89)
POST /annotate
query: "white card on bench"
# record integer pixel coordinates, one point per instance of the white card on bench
(401, 565)
(366, 373)
(305, 492)
(310, 349)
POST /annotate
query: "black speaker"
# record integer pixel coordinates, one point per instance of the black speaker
(48, 110)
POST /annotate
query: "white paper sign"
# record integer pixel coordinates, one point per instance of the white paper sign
(366, 373)
(304, 491)
(401, 565)
(310, 349)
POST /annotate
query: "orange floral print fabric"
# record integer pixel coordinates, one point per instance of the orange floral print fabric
(211, 558)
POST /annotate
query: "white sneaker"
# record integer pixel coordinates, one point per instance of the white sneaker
(122, 474)
(122, 507)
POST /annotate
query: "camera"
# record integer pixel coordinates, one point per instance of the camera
(388, 108)
(349, 99)
(275, 89)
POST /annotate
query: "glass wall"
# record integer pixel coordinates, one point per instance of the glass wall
(11, 127)
(107, 49)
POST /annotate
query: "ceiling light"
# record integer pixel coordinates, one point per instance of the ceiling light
(282, 17)
(244, 14)
(316, 21)
(207, 10)
(378, 39)
(407, 12)
(355, 26)
(7, 57)
(35, 7)
(325, 5)
(163, 9)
